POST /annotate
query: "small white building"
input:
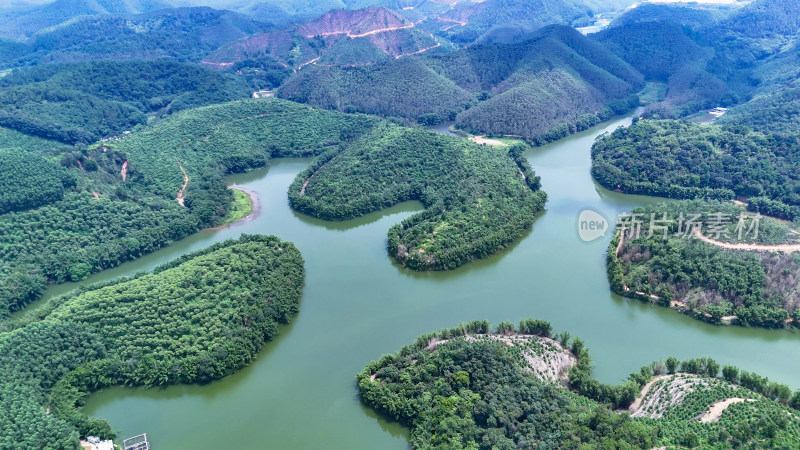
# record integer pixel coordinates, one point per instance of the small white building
(95, 443)
(264, 93)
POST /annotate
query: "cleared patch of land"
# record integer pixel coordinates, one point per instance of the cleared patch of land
(716, 410)
(488, 141)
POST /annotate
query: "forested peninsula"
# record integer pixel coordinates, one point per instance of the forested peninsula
(192, 320)
(116, 200)
(693, 271)
(526, 386)
(477, 198)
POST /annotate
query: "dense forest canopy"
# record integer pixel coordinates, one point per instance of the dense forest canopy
(29, 180)
(684, 160)
(471, 387)
(76, 235)
(709, 58)
(198, 318)
(22, 22)
(87, 101)
(775, 105)
(477, 199)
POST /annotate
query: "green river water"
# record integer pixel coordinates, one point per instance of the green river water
(357, 305)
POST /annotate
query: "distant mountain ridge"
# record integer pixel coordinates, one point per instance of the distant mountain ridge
(353, 24)
(339, 37)
(506, 20)
(26, 23)
(549, 85)
(184, 34)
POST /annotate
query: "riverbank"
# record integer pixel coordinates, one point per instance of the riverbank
(245, 208)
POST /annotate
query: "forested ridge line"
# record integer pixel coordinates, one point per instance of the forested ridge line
(743, 58)
(180, 34)
(195, 319)
(477, 199)
(474, 387)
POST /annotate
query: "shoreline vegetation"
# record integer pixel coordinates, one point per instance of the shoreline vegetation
(194, 319)
(681, 160)
(474, 387)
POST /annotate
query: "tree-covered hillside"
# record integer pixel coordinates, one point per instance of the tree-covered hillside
(195, 319)
(406, 88)
(505, 20)
(775, 104)
(684, 160)
(472, 387)
(477, 199)
(709, 58)
(183, 34)
(104, 220)
(671, 268)
(658, 50)
(84, 102)
(555, 82)
(667, 44)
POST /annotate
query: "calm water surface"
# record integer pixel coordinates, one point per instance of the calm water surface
(357, 305)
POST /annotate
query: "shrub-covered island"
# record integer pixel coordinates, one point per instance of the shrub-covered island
(523, 387)
(477, 198)
(195, 319)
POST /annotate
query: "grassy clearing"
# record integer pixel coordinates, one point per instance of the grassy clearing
(240, 208)
(652, 92)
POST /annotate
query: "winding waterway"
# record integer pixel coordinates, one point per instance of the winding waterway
(357, 305)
